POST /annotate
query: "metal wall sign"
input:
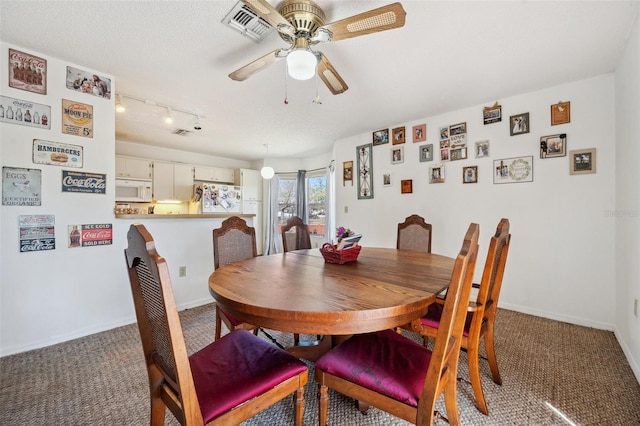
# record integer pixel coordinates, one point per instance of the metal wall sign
(90, 235)
(21, 187)
(89, 183)
(57, 154)
(26, 113)
(77, 118)
(37, 232)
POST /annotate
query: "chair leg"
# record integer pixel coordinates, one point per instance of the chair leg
(491, 352)
(296, 339)
(451, 398)
(218, 325)
(299, 407)
(473, 358)
(157, 411)
(323, 404)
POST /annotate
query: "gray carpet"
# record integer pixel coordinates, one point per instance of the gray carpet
(550, 370)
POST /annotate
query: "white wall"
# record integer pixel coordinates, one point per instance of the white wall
(561, 264)
(627, 212)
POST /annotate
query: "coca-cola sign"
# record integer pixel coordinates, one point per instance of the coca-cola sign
(37, 233)
(96, 234)
(91, 183)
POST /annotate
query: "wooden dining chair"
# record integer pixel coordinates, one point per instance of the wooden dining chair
(414, 234)
(227, 381)
(480, 315)
(295, 235)
(395, 374)
(233, 241)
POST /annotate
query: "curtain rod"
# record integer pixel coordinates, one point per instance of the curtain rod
(296, 172)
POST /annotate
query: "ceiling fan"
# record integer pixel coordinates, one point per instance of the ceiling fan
(301, 24)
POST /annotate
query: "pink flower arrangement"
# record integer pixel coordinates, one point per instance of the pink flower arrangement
(342, 232)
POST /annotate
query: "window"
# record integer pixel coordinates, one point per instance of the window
(287, 205)
(316, 199)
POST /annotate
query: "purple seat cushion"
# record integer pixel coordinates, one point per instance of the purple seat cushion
(432, 318)
(236, 368)
(385, 362)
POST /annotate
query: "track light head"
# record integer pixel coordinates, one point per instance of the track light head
(197, 125)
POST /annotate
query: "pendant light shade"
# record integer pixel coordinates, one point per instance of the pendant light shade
(301, 64)
(267, 172)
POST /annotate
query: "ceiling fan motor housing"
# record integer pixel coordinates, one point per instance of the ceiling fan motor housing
(304, 15)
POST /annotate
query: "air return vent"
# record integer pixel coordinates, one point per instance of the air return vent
(182, 132)
(244, 20)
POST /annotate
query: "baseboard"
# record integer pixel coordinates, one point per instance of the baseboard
(556, 317)
(627, 353)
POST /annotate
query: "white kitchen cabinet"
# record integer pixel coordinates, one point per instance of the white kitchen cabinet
(213, 174)
(251, 183)
(133, 168)
(172, 181)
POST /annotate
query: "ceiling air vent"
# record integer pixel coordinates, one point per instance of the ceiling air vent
(182, 132)
(244, 20)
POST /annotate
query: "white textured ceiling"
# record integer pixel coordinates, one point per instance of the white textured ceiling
(449, 55)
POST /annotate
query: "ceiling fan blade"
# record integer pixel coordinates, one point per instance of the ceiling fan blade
(381, 19)
(259, 64)
(270, 14)
(330, 76)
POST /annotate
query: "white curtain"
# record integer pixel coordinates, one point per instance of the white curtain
(330, 205)
(271, 219)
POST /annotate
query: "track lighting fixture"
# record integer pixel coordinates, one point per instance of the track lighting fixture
(119, 105)
(168, 118)
(197, 125)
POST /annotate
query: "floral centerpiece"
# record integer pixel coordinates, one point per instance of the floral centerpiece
(333, 253)
(342, 232)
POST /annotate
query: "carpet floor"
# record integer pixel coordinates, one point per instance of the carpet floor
(553, 373)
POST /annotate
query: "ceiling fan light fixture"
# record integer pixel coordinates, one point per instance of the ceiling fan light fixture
(301, 64)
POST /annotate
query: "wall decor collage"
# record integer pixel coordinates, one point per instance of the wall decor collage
(23, 186)
(453, 145)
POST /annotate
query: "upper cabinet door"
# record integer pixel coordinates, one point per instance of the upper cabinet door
(213, 174)
(133, 168)
(183, 182)
(251, 183)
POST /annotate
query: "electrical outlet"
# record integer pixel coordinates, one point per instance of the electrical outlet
(182, 271)
(635, 307)
(346, 209)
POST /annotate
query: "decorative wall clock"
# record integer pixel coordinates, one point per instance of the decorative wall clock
(365, 171)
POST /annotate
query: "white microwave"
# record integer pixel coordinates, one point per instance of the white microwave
(136, 191)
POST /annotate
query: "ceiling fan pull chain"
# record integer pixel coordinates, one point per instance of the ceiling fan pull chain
(286, 71)
(316, 100)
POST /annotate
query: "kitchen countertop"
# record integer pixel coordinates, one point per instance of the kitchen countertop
(182, 216)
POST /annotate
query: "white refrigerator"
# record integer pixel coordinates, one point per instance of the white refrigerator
(216, 198)
(255, 207)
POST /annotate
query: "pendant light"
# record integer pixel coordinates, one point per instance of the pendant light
(267, 172)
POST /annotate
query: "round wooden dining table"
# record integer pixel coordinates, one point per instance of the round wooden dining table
(298, 292)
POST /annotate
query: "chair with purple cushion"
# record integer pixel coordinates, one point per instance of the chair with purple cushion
(295, 235)
(233, 241)
(397, 375)
(414, 234)
(481, 314)
(226, 382)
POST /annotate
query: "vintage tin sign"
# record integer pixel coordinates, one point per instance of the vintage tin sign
(56, 153)
(21, 187)
(26, 113)
(77, 118)
(90, 183)
(88, 82)
(37, 232)
(27, 72)
(91, 235)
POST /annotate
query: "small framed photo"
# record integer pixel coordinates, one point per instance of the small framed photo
(426, 152)
(482, 149)
(492, 114)
(406, 186)
(420, 133)
(444, 133)
(560, 113)
(397, 155)
(347, 172)
(553, 146)
(381, 137)
(458, 154)
(436, 174)
(582, 161)
(398, 135)
(470, 174)
(27, 72)
(386, 179)
(513, 170)
(519, 124)
(444, 154)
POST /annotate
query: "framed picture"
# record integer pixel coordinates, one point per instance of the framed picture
(553, 146)
(381, 137)
(347, 172)
(27, 72)
(397, 155)
(444, 133)
(420, 133)
(582, 161)
(492, 114)
(513, 170)
(365, 171)
(88, 82)
(470, 174)
(398, 135)
(406, 186)
(26, 113)
(519, 124)
(444, 154)
(560, 113)
(77, 118)
(436, 174)
(458, 154)
(482, 149)
(426, 152)
(386, 179)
